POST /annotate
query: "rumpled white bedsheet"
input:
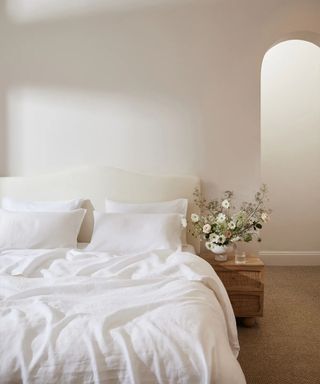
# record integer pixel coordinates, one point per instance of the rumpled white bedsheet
(70, 316)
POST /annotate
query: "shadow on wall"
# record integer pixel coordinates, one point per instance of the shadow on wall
(102, 53)
(108, 50)
(28, 11)
(170, 61)
(164, 86)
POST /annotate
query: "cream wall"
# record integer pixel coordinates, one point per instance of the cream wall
(160, 86)
(290, 145)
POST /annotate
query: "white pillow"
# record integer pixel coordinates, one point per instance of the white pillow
(22, 230)
(128, 233)
(16, 205)
(178, 206)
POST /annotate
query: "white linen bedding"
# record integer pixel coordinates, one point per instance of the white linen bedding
(71, 316)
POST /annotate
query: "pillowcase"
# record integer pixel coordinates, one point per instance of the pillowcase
(11, 204)
(178, 206)
(46, 230)
(129, 233)
(17, 205)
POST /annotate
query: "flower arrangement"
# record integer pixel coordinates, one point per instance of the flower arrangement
(221, 225)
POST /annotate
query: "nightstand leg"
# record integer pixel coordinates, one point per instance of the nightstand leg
(248, 321)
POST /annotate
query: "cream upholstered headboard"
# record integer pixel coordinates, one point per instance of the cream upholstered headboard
(96, 183)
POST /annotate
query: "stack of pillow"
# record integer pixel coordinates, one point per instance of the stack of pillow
(124, 228)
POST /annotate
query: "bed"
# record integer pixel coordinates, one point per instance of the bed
(80, 315)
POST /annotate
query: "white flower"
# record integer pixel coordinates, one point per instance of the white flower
(208, 245)
(221, 218)
(221, 239)
(264, 217)
(206, 228)
(225, 204)
(232, 225)
(237, 238)
(184, 222)
(214, 238)
(194, 217)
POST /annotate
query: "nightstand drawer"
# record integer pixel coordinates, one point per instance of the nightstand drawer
(242, 280)
(247, 304)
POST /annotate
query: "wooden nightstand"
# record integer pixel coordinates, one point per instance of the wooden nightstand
(244, 284)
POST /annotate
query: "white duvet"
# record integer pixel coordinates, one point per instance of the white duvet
(70, 316)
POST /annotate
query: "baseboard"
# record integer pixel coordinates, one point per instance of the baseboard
(290, 257)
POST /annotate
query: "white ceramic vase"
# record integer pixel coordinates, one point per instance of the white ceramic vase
(220, 252)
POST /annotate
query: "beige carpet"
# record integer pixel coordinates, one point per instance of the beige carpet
(284, 346)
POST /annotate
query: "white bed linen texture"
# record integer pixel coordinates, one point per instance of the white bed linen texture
(12, 204)
(20, 230)
(132, 233)
(73, 316)
(178, 206)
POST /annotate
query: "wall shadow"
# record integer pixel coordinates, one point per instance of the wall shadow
(140, 52)
(139, 49)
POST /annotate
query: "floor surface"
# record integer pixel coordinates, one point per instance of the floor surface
(284, 346)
